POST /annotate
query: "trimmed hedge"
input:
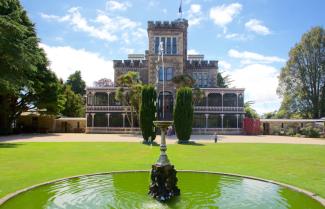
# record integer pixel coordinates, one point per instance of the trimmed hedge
(148, 112)
(183, 114)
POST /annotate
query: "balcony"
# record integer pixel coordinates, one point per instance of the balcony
(197, 109)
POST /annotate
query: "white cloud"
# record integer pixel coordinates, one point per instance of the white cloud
(247, 57)
(115, 24)
(235, 36)
(224, 66)
(195, 15)
(54, 17)
(192, 52)
(224, 14)
(65, 60)
(112, 5)
(105, 28)
(126, 50)
(257, 27)
(260, 83)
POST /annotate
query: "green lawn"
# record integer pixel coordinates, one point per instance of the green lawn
(26, 164)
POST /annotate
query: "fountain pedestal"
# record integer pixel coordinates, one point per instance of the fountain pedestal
(163, 174)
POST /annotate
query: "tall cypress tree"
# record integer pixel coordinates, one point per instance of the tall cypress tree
(148, 112)
(183, 114)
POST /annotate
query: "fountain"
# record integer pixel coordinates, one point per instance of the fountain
(163, 174)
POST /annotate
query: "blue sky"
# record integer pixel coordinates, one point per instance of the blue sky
(250, 38)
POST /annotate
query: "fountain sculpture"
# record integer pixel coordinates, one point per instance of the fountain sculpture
(163, 174)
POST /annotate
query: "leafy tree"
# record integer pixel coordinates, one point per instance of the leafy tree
(302, 80)
(148, 112)
(129, 94)
(25, 80)
(74, 103)
(198, 95)
(249, 111)
(183, 81)
(223, 81)
(270, 115)
(78, 85)
(183, 114)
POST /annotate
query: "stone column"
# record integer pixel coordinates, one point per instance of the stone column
(206, 120)
(237, 100)
(206, 99)
(86, 116)
(123, 119)
(92, 119)
(222, 101)
(94, 99)
(222, 121)
(108, 99)
(108, 115)
(237, 116)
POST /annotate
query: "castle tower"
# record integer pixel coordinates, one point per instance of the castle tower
(173, 35)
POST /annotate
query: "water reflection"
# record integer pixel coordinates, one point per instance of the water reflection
(129, 190)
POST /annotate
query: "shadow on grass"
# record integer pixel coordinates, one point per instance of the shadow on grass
(155, 144)
(9, 145)
(190, 143)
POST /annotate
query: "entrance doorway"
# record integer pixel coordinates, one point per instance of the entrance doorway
(168, 106)
(266, 128)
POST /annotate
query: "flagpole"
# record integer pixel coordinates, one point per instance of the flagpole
(180, 9)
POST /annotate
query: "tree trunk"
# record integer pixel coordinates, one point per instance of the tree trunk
(5, 123)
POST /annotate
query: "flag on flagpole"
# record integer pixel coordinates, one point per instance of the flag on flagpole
(180, 8)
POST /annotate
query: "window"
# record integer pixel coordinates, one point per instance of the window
(162, 39)
(169, 45)
(156, 45)
(161, 74)
(174, 46)
(201, 79)
(168, 74)
(168, 49)
(205, 79)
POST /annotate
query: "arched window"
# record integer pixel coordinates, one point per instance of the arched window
(229, 100)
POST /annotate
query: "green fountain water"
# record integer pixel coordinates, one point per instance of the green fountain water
(129, 190)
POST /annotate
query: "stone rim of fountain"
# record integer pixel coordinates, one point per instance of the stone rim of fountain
(310, 194)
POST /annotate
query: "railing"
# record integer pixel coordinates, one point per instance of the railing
(112, 130)
(107, 108)
(218, 109)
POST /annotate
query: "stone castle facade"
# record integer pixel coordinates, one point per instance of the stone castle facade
(220, 111)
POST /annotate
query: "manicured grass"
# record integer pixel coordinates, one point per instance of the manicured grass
(26, 164)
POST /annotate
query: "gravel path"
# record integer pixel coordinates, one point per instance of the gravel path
(76, 137)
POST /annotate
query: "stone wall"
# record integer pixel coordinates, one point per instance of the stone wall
(123, 66)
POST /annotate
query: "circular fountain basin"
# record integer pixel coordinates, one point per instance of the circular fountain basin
(129, 190)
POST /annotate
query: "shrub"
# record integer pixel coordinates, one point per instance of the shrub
(183, 114)
(310, 132)
(148, 112)
(291, 132)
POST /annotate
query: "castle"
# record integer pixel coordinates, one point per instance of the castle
(221, 110)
